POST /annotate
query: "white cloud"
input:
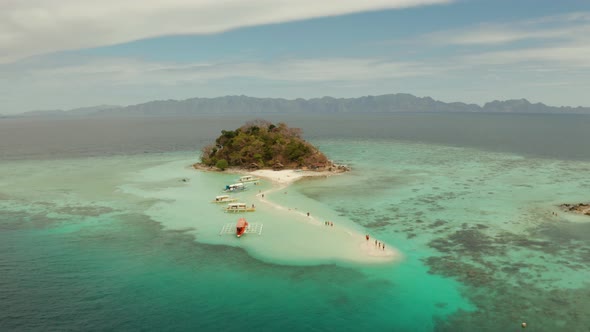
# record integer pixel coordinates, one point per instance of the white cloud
(571, 26)
(126, 71)
(564, 56)
(74, 81)
(30, 27)
(556, 43)
(77, 81)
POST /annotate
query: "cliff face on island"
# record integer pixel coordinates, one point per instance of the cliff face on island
(261, 144)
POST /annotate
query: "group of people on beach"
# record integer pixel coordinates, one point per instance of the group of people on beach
(377, 243)
(329, 223)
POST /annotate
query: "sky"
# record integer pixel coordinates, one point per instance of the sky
(64, 54)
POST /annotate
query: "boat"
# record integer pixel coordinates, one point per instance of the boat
(241, 227)
(224, 199)
(248, 179)
(251, 228)
(235, 187)
(239, 207)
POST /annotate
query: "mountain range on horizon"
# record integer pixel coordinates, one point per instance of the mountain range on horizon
(389, 103)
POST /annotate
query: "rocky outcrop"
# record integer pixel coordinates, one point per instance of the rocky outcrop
(581, 208)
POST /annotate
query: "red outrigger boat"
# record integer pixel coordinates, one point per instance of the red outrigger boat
(241, 227)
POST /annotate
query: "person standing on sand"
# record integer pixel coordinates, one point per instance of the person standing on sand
(367, 237)
(375, 243)
(383, 246)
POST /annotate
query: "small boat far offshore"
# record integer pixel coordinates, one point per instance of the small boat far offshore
(241, 227)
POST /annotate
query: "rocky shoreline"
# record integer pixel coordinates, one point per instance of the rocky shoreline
(283, 176)
(581, 208)
(332, 167)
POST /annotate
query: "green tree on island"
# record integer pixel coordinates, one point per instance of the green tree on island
(263, 144)
(221, 164)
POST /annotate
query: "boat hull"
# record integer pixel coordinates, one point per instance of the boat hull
(241, 227)
(240, 210)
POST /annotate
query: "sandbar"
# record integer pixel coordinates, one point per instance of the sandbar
(368, 248)
(288, 176)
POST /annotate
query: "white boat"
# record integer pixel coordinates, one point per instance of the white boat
(248, 178)
(224, 199)
(235, 187)
(239, 207)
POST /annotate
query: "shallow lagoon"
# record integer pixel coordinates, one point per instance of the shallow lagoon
(119, 242)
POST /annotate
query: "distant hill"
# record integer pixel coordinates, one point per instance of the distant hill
(82, 111)
(391, 103)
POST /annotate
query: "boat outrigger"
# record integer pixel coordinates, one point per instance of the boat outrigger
(248, 178)
(224, 199)
(239, 207)
(235, 187)
(241, 228)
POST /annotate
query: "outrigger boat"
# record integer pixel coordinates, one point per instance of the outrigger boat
(235, 187)
(248, 178)
(239, 207)
(224, 199)
(241, 227)
(247, 228)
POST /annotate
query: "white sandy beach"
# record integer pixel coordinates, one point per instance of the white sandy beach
(283, 178)
(288, 176)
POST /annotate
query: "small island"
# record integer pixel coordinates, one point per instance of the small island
(260, 144)
(278, 153)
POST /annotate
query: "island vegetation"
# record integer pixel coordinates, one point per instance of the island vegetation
(262, 144)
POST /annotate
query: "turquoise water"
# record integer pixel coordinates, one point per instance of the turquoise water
(121, 243)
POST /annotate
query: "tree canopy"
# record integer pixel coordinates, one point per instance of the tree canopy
(263, 144)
